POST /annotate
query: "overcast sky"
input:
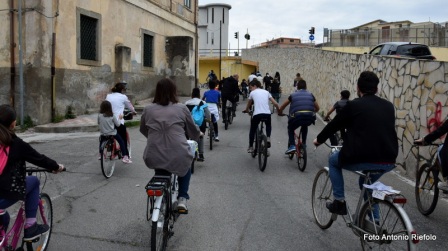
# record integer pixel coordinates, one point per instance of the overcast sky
(267, 19)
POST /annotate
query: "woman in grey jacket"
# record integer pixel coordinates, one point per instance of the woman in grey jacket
(165, 123)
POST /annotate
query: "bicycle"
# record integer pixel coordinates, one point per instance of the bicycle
(162, 191)
(379, 219)
(428, 176)
(194, 146)
(228, 119)
(109, 151)
(300, 152)
(211, 132)
(245, 93)
(261, 145)
(9, 240)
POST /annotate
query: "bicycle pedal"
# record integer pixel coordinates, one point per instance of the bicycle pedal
(182, 211)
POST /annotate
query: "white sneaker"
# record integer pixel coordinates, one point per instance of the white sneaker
(216, 139)
(443, 185)
(182, 205)
(126, 160)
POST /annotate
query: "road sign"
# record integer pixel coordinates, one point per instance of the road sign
(311, 37)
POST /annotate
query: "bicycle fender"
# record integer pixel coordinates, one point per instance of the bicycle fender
(156, 210)
(408, 224)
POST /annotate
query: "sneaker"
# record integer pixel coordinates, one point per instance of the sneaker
(291, 149)
(443, 185)
(182, 205)
(250, 150)
(337, 207)
(126, 160)
(269, 142)
(216, 139)
(200, 158)
(35, 231)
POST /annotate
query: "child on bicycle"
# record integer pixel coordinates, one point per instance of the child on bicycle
(439, 132)
(14, 184)
(213, 98)
(107, 123)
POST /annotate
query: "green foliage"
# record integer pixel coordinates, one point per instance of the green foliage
(131, 123)
(69, 113)
(58, 118)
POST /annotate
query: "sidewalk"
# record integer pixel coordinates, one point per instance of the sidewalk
(89, 122)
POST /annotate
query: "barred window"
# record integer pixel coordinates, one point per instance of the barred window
(187, 3)
(88, 37)
(89, 28)
(147, 50)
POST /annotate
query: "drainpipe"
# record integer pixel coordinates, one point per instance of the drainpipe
(21, 66)
(196, 45)
(12, 88)
(53, 79)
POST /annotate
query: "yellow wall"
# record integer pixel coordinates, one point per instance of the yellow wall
(229, 66)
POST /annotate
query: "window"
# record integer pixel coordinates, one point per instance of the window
(213, 15)
(88, 29)
(187, 3)
(148, 50)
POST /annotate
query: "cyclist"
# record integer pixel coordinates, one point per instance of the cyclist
(244, 87)
(443, 154)
(345, 95)
(275, 89)
(260, 99)
(15, 185)
(107, 123)
(302, 113)
(165, 123)
(195, 101)
(229, 92)
(213, 98)
(120, 101)
(371, 141)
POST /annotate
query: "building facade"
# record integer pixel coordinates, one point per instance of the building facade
(213, 29)
(72, 52)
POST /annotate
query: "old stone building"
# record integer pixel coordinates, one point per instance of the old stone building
(72, 52)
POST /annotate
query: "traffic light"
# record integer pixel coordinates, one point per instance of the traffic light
(311, 31)
(236, 35)
(247, 36)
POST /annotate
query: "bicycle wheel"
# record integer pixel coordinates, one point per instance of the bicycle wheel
(128, 141)
(388, 227)
(226, 121)
(426, 190)
(44, 216)
(159, 228)
(262, 152)
(107, 158)
(321, 193)
(211, 135)
(230, 116)
(301, 157)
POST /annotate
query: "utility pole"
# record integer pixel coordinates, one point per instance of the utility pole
(21, 65)
(220, 32)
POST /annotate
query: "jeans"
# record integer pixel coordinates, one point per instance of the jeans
(254, 124)
(224, 105)
(337, 180)
(184, 182)
(31, 197)
(121, 130)
(293, 124)
(276, 96)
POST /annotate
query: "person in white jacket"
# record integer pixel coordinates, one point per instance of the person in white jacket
(120, 101)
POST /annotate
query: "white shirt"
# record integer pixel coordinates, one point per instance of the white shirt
(119, 101)
(261, 101)
(251, 77)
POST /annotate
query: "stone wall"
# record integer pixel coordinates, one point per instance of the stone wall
(417, 88)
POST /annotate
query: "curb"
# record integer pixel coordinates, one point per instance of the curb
(66, 129)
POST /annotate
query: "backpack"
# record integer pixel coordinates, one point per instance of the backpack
(198, 113)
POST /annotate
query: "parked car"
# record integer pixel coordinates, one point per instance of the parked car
(403, 49)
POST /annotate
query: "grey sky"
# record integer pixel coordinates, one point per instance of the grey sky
(267, 19)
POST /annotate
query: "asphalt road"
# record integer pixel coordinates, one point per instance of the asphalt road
(233, 205)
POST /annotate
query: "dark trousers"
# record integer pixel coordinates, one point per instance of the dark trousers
(254, 124)
(121, 130)
(224, 106)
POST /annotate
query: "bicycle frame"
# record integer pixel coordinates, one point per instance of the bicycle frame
(158, 187)
(9, 240)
